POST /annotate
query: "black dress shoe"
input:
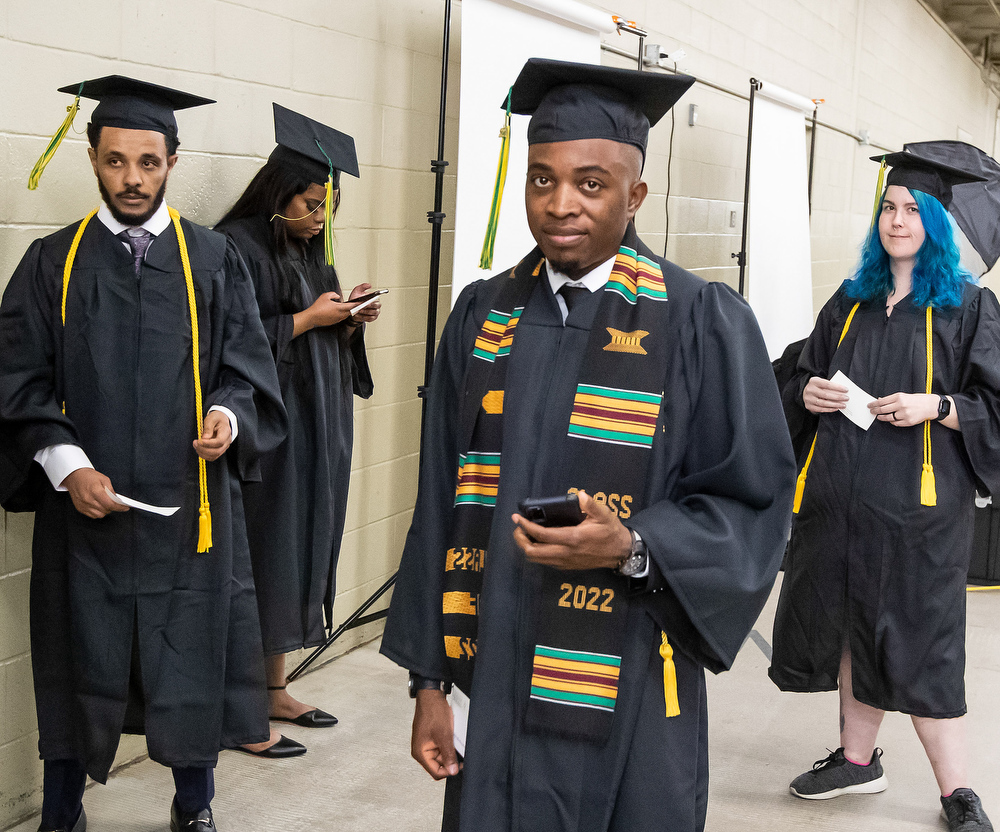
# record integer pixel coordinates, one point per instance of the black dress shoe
(191, 821)
(282, 748)
(310, 719)
(79, 826)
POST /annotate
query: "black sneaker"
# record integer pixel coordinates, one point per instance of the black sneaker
(836, 775)
(964, 812)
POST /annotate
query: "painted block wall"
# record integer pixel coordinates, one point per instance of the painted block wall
(373, 70)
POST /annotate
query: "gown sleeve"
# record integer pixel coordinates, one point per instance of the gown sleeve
(717, 539)
(248, 381)
(978, 400)
(413, 636)
(29, 401)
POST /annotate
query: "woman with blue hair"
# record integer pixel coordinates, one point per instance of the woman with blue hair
(873, 599)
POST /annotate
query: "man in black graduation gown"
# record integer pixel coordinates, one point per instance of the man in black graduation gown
(648, 393)
(139, 622)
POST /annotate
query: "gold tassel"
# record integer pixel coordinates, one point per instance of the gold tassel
(928, 491)
(800, 483)
(878, 191)
(486, 256)
(671, 704)
(53, 146)
(204, 527)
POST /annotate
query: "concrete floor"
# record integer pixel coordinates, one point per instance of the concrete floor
(358, 776)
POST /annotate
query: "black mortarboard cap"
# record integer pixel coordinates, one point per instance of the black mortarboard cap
(963, 178)
(135, 105)
(312, 148)
(569, 101)
(922, 173)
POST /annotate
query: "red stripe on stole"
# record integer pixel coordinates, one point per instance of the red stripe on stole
(616, 415)
(570, 676)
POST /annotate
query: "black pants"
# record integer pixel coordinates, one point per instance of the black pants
(62, 795)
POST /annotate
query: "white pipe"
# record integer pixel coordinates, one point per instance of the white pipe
(574, 12)
(783, 96)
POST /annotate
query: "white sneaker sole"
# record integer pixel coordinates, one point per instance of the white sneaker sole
(871, 787)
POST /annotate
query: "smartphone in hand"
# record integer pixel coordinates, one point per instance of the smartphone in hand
(563, 510)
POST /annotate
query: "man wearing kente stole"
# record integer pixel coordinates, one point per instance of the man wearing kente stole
(136, 366)
(592, 367)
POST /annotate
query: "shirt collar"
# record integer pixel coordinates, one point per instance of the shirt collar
(594, 280)
(155, 225)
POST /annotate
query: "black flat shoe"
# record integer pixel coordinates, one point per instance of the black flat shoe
(282, 748)
(79, 826)
(310, 719)
(190, 821)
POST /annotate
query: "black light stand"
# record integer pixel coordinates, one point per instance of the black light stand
(435, 218)
(741, 255)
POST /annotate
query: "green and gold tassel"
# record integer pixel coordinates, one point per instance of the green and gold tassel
(328, 212)
(878, 191)
(54, 142)
(486, 257)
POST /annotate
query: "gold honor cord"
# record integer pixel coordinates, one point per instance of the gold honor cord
(928, 493)
(54, 142)
(486, 256)
(204, 511)
(800, 483)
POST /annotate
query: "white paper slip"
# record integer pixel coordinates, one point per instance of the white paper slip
(165, 511)
(857, 403)
(460, 708)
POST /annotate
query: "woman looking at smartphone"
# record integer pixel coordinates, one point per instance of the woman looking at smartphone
(295, 515)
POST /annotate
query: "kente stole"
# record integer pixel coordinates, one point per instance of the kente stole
(581, 615)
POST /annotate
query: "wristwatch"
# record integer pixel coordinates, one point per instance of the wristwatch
(637, 558)
(418, 682)
(944, 408)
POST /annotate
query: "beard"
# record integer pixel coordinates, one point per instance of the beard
(131, 219)
(566, 267)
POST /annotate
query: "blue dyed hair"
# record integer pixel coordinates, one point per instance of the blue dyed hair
(938, 277)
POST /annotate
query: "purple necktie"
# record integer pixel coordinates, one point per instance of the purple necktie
(138, 240)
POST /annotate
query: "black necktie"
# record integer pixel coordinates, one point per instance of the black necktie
(571, 294)
(138, 240)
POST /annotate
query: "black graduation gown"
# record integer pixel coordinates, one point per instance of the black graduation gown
(122, 365)
(296, 514)
(867, 564)
(721, 476)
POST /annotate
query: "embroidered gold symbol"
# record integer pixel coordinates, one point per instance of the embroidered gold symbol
(493, 402)
(626, 341)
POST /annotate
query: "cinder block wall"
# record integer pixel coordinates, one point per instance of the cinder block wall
(373, 70)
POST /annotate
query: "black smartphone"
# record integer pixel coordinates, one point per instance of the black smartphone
(563, 510)
(369, 296)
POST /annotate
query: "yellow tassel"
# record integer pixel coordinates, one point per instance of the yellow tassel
(878, 191)
(53, 146)
(486, 255)
(671, 705)
(204, 528)
(928, 492)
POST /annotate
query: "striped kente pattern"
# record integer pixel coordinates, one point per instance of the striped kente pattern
(496, 335)
(577, 678)
(478, 478)
(621, 417)
(635, 277)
